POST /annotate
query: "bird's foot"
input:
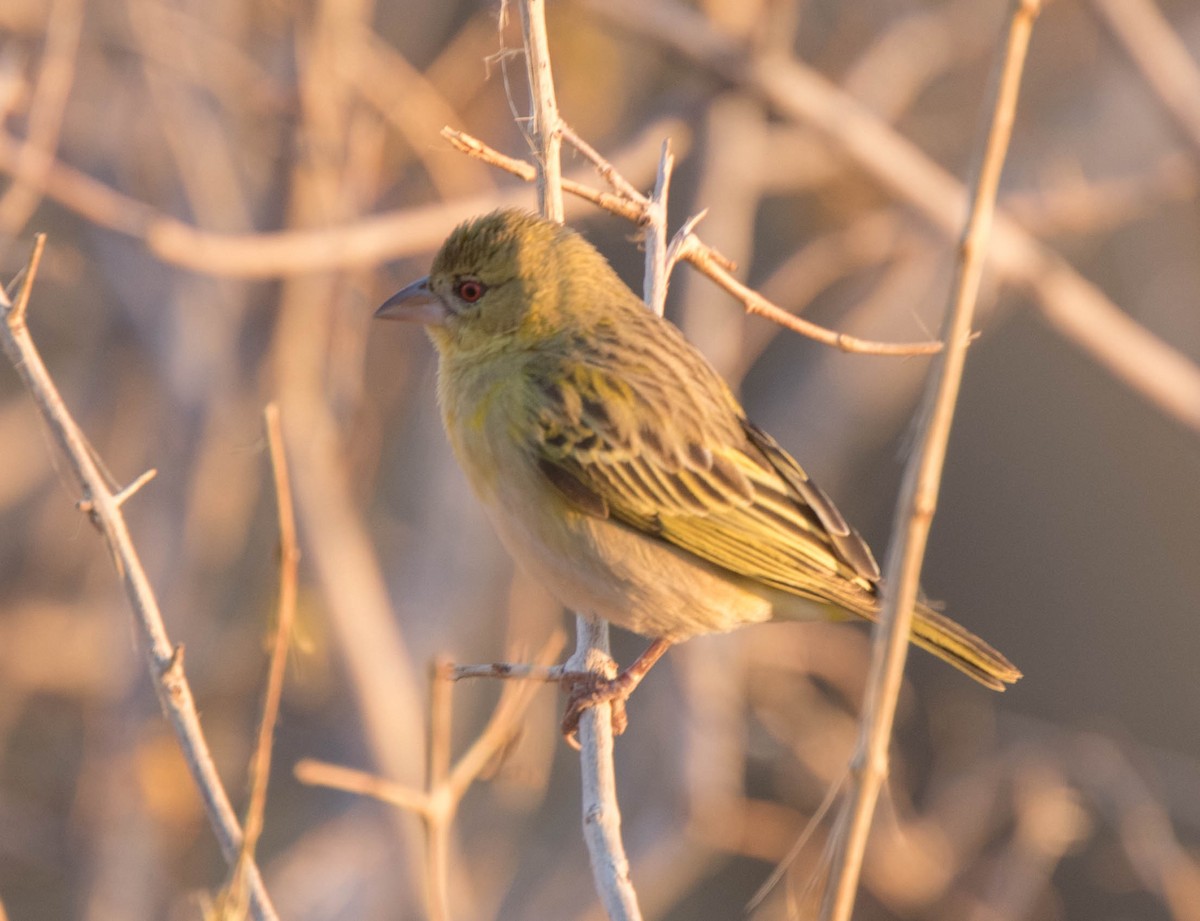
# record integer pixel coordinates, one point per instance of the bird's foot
(588, 689)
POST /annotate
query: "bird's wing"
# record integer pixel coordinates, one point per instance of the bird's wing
(679, 462)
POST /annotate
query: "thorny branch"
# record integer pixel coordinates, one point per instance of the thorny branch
(103, 506)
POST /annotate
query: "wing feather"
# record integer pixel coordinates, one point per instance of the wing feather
(680, 463)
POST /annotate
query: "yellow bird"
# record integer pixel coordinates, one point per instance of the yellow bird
(618, 468)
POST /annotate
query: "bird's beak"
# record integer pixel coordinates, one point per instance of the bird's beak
(415, 303)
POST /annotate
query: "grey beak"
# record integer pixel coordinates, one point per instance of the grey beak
(415, 303)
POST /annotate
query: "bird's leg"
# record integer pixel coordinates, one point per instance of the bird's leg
(586, 689)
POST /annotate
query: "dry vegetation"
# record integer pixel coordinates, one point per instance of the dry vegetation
(229, 189)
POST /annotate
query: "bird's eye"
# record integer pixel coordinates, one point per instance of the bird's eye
(470, 290)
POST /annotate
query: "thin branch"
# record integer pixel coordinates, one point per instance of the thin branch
(552, 673)
(445, 786)
(25, 278)
(440, 798)
(601, 811)
(545, 129)
(336, 777)
(918, 501)
(132, 489)
(331, 179)
(607, 171)
(289, 562)
(437, 820)
(755, 303)
(682, 239)
(500, 728)
(654, 286)
(164, 660)
(441, 675)
(475, 148)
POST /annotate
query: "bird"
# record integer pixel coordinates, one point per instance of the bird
(618, 468)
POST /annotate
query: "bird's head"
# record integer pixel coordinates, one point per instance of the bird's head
(509, 277)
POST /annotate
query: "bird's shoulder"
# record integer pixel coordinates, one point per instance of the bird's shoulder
(618, 389)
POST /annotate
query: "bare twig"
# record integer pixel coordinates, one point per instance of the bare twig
(607, 171)
(501, 727)
(445, 786)
(165, 660)
(545, 129)
(132, 489)
(289, 561)
(601, 809)
(439, 799)
(20, 306)
(437, 822)
(755, 303)
(475, 148)
(1073, 305)
(874, 238)
(336, 777)
(601, 812)
(509, 670)
(331, 180)
(654, 286)
(918, 500)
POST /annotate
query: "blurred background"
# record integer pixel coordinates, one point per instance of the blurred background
(230, 188)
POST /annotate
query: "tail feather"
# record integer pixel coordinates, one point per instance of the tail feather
(961, 648)
(931, 630)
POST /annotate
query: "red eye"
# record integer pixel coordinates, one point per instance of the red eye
(470, 290)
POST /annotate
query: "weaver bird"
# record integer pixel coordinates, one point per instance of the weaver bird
(617, 467)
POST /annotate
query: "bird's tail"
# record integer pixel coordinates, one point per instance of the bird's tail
(931, 630)
(936, 633)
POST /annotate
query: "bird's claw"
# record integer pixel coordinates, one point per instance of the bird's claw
(584, 691)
